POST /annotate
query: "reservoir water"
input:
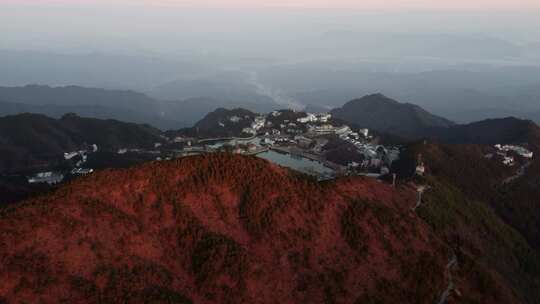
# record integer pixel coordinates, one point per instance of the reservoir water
(298, 163)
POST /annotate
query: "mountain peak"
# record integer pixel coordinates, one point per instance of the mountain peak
(383, 114)
(377, 97)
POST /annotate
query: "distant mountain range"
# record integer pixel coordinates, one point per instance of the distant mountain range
(463, 93)
(98, 103)
(410, 122)
(386, 115)
(33, 140)
(228, 90)
(95, 111)
(123, 105)
(491, 131)
(28, 140)
(397, 122)
(227, 210)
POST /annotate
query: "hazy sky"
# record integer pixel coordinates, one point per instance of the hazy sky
(224, 26)
(357, 4)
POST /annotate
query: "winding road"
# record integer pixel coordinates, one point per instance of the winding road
(453, 262)
(421, 190)
(519, 173)
(451, 285)
(226, 138)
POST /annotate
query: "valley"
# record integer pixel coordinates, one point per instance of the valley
(251, 152)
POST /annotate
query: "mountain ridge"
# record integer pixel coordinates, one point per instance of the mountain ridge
(29, 140)
(213, 227)
(508, 130)
(386, 115)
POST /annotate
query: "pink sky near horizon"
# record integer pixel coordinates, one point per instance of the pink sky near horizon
(354, 4)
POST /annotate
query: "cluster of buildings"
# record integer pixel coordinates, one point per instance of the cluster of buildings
(258, 123)
(322, 118)
(52, 178)
(377, 159)
(521, 151)
(300, 135)
(507, 152)
(307, 134)
(81, 156)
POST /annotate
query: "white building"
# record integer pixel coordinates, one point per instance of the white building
(70, 155)
(325, 117)
(343, 130)
(235, 119)
(523, 152)
(258, 123)
(249, 131)
(81, 171)
(50, 178)
(508, 160)
(353, 165)
(364, 132)
(324, 129)
(268, 141)
(309, 118)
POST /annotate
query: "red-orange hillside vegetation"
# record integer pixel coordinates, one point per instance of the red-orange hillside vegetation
(219, 229)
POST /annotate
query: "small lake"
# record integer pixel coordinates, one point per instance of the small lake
(216, 144)
(298, 163)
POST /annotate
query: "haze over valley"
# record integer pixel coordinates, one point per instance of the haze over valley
(464, 65)
(299, 151)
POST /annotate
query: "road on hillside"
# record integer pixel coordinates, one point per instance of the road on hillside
(451, 263)
(451, 285)
(520, 173)
(420, 190)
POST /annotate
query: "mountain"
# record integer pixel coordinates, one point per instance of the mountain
(219, 123)
(224, 122)
(461, 92)
(508, 130)
(91, 102)
(33, 140)
(229, 89)
(74, 95)
(484, 208)
(221, 228)
(94, 111)
(93, 69)
(122, 105)
(194, 109)
(386, 115)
